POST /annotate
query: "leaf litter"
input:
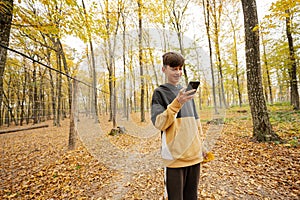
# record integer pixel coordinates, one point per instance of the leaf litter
(36, 164)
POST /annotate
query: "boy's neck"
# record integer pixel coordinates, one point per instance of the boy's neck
(174, 84)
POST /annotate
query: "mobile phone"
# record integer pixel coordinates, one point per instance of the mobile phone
(193, 85)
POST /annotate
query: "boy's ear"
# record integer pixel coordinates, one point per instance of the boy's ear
(164, 69)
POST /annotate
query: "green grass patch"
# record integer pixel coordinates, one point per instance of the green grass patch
(285, 121)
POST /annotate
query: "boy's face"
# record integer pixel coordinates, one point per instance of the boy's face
(173, 74)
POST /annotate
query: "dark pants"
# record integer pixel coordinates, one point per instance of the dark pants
(182, 183)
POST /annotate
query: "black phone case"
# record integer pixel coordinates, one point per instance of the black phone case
(193, 85)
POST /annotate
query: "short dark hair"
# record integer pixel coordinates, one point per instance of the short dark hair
(173, 59)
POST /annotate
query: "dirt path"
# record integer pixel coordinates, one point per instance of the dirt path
(127, 162)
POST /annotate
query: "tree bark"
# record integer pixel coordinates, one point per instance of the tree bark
(72, 131)
(5, 24)
(94, 107)
(58, 86)
(235, 28)
(199, 78)
(35, 95)
(66, 68)
(124, 64)
(133, 102)
(139, 2)
(216, 13)
(207, 25)
(269, 86)
(23, 99)
(42, 109)
(262, 129)
(236, 64)
(23, 129)
(53, 95)
(293, 67)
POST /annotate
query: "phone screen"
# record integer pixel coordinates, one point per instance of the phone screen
(193, 85)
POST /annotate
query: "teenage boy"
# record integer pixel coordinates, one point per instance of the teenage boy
(173, 112)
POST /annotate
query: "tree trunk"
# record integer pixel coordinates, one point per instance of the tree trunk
(23, 99)
(133, 103)
(24, 129)
(124, 66)
(207, 25)
(236, 61)
(29, 101)
(9, 117)
(6, 8)
(72, 131)
(178, 12)
(179, 36)
(89, 101)
(293, 67)
(236, 64)
(94, 90)
(111, 43)
(262, 129)
(216, 13)
(139, 2)
(66, 68)
(269, 86)
(154, 67)
(35, 95)
(58, 89)
(53, 97)
(42, 109)
(199, 78)
(94, 107)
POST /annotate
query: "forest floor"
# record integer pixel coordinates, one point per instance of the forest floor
(36, 164)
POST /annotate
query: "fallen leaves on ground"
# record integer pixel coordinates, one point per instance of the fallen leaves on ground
(36, 164)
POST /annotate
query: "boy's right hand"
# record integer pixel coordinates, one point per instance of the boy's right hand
(184, 96)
